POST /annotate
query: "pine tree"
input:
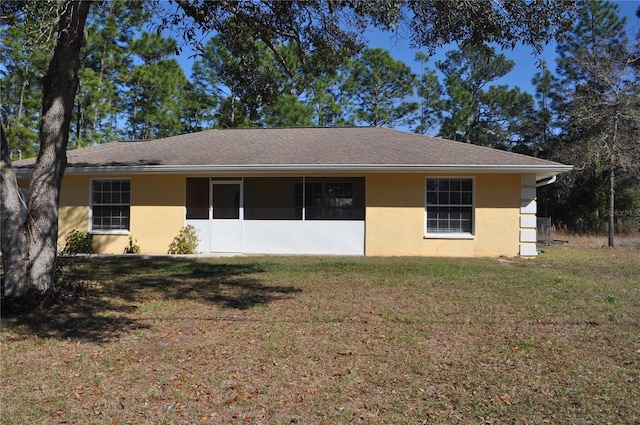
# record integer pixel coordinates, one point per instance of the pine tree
(474, 111)
(107, 59)
(24, 55)
(242, 79)
(545, 120)
(597, 102)
(380, 88)
(156, 89)
(324, 94)
(430, 92)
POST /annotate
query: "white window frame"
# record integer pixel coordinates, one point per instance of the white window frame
(451, 235)
(107, 231)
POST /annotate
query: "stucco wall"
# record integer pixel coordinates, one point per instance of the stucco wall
(74, 206)
(157, 212)
(395, 217)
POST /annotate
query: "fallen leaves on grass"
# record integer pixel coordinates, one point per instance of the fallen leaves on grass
(397, 341)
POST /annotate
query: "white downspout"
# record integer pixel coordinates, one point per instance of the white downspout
(546, 182)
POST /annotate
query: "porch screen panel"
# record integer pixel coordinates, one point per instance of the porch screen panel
(337, 198)
(197, 199)
(272, 198)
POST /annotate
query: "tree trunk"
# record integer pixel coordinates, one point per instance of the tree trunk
(25, 84)
(232, 115)
(612, 213)
(79, 120)
(106, 41)
(13, 239)
(39, 247)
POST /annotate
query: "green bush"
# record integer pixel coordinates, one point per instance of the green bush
(133, 247)
(78, 242)
(186, 242)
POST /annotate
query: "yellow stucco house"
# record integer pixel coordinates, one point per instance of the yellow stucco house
(327, 191)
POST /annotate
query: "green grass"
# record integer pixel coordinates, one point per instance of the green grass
(276, 340)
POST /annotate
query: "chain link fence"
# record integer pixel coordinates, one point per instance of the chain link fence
(543, 230)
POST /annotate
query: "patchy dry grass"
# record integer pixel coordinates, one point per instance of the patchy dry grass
(595, 240)
(277, 340)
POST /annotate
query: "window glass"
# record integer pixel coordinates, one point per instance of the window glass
(449, 205)
(110, 204)
(226, 201)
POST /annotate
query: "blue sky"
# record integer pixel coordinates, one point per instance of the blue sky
(523, 56)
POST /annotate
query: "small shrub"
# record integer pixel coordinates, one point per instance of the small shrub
(78, 242)
(186, 242)
(133, 247)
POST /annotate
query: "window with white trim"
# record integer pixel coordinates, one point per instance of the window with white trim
(110, 205)
(449, 206)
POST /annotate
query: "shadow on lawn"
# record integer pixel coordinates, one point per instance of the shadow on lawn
(98, 298)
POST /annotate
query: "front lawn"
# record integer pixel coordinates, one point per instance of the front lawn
(308, 340)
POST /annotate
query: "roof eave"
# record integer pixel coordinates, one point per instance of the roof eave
(541, 171)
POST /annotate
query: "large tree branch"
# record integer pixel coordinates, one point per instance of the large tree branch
(199, 15)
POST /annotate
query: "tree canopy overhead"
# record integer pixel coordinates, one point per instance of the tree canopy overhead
(324, 28)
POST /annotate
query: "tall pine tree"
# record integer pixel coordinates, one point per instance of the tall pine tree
(473, 110)
(157, 88)
(597, 94)
(107, 59)
(23, 57)
(380, 88)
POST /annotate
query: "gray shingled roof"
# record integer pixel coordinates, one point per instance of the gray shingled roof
(344, 149)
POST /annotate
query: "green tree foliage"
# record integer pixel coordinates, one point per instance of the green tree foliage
(378, 86)
(194, 104)
(325, 94)
(475, 112)
(27, 44)
(287, 111)
(323, 31)
(544, 116)
(430, 92)
(596, 99)
(106, 61)
(23, 62)
(506, 120)
(322, 34)
(242, 79)
(156, 89)
(213, 75)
